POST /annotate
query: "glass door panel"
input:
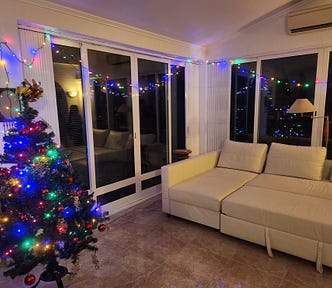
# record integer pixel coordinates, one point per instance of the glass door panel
(243, 102)
(111, 104)
(152, 79)
(68, 86)
(282, 81)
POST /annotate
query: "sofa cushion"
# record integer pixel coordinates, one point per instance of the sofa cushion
(297, 161)
(100, 136)
(243, 156)
(147, 139)
(117, 140)
(208, 189)
(306, 216)
(321, 189)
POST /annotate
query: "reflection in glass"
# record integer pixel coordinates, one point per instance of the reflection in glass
(328, 107)
(9, 104)
(152, 79)
(111, 105)
(243, 102)
(284, 80)
(67, 76)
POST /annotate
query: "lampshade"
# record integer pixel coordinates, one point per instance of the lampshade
(301, 106)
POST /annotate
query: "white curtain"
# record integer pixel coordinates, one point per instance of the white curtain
(192, 79)
(42, 71)
(218, 81)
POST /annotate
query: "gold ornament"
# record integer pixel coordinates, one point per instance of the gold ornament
(30, 92)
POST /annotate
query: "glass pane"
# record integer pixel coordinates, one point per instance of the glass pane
(243, 102)
(68, 85)
(111, 103)
(152, 78)
(178, 110)
(328, 108)
(284, 80)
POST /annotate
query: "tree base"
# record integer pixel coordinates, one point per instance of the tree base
(53, 273)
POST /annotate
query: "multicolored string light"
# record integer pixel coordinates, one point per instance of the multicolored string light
(34, 53)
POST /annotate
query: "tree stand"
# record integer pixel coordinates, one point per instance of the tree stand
(53, 272)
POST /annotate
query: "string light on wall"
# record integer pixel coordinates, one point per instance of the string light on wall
(4, 46)
(8, 58)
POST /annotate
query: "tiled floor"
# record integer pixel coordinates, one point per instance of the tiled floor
(145, 248)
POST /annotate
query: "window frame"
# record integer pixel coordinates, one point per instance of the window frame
(319, 92)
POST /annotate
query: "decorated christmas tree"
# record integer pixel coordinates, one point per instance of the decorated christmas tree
(45, 214)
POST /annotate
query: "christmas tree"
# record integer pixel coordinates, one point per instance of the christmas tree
(45, 214)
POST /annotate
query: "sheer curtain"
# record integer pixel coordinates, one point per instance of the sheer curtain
(42, 71)
(218, 81)
(193, 86)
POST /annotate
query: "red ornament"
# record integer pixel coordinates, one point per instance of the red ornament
(88, 226)
(102, 227)
(29, 279)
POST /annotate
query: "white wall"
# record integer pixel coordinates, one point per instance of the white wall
(39, 13)
(270, 36)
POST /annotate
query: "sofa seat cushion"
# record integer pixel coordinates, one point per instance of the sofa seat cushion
(302, 215)
(322, 189)
(208, 189)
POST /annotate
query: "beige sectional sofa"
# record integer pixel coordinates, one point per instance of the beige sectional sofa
(279, 197)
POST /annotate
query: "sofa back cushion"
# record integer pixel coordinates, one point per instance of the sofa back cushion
(296, 161)
(147, 139)
(117, 140)
(100, 136)
(243, 156)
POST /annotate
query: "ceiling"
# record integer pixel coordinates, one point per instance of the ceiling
(200, 22)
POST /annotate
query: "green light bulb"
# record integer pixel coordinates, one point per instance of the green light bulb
(52, 153)
(27, 243)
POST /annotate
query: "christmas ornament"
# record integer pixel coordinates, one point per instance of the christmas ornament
(30, 279)
(76, 203)
(30, 92)
(62, 226)
(102, 227)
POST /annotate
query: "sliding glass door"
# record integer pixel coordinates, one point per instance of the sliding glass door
(113, 117)
(111, 110)
(153, 80)
(70, 107)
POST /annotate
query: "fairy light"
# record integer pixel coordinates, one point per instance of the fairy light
(4, 45)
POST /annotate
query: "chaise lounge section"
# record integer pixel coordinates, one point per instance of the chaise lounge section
(281, 199)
